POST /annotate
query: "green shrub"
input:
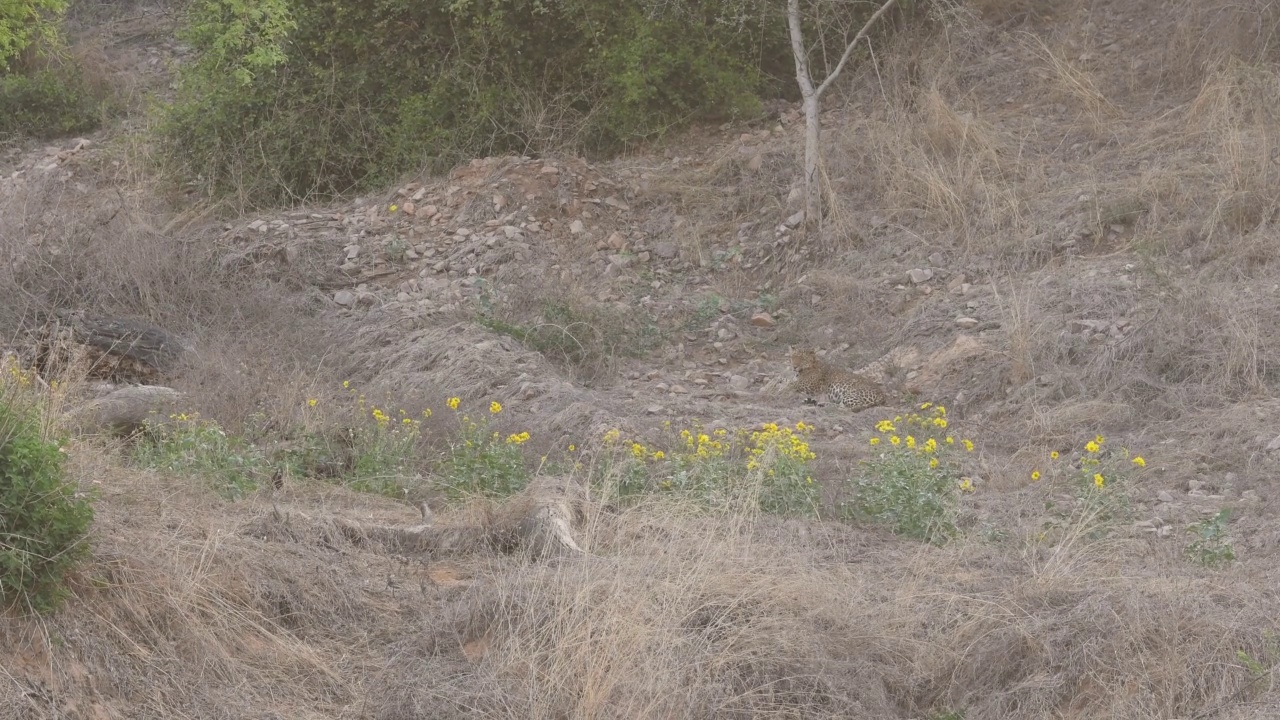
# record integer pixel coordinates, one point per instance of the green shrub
(294, 97)
(25, 21)
(43, 524)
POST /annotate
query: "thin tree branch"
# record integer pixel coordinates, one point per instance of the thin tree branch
(793, 19)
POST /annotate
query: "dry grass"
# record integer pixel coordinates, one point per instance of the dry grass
(243, 609)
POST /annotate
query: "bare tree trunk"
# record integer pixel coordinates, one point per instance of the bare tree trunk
(811, 96)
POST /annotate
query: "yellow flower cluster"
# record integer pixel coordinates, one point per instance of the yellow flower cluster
(519, 438)
(921, 431)
(15, 374)
(704, 446)
(1090, 460)
(788, 443)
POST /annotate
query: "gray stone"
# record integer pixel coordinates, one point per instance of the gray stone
(920, 275)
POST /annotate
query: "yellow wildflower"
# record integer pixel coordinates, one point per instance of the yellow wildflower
(885, 426)
(940, 422)
(495, 407)
(930, 445)
(426, 413)
(894, 440)
(1099, 480)
(950, 440)
(612, 436)
(453, 403)
(395, 208)
(312, 402)
(875, 441)
(933, 462)
(1035, 474)
(518, 438)
(572, 447)
(926, 406)
(1139, 461)
(1053, 455)
(638, 450)
(1091, 446)
(940, 410)
(911, 442)
(1099, 439)
(966, 485)
(659, 455)
(968, 445)
(346, 384)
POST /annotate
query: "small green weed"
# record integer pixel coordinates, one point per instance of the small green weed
(190, 445)
(912, 485)
(1212, 547)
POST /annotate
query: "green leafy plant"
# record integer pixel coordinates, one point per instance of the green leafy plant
(43, 521)
(190, 445)
(913, 482)
(482, 462)
(1211, 547)
(769, 465)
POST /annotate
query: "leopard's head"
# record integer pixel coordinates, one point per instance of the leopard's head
(804, 359)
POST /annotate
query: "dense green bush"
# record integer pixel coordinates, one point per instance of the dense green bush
(42, 522)
(46, 103)
(293, 97)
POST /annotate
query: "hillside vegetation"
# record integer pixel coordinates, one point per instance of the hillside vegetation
(486, 269)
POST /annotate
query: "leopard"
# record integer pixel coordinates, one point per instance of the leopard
(852, 390)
